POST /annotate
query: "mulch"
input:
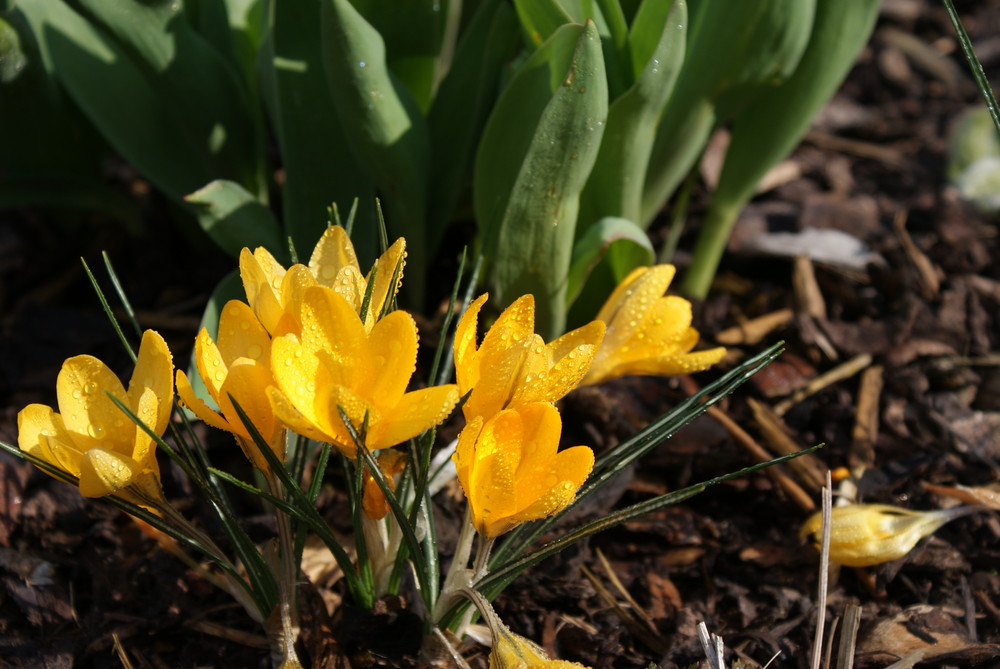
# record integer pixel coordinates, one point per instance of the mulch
(910, 332)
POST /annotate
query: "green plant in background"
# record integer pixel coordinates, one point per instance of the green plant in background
(569, 122)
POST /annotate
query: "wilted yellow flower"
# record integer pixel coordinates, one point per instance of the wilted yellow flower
(238, 366)
(648, 332)
(270, 289)
(332, 361)
(514, 366)
(862, 535)
(92, 438)
(512, 471)
(512, 651)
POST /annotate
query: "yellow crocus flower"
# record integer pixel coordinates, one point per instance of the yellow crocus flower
(512, 471)
(270, 288)
(330, 360)
(238, 367)
(93, 439)
(514, 366)
(862, 535)
(648, 332)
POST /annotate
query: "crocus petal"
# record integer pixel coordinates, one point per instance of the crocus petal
(82, 389)
(293, 287)
(143, 450)
(357, 410)
(333, 331)
(332, 253)
(241, 335)
(466, 371)
(295, 372)
(103, 472)
(209, 362)
(38, 429)
(197, 406)
(385, 269)
(247, 383)
(390, 358)
(492, 479)
(262, 276)
(154, 372)
(415, 413)
(294, 419)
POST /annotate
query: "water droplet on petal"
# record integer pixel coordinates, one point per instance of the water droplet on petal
(255, 351)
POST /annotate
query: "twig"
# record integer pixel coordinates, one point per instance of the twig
(824, 568)
(843, 371)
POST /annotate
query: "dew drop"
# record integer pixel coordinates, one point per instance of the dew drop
(95, 431)
(77, 394)
(220, 377)
(255, 351)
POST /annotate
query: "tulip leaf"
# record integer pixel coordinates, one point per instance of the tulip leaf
(235, 219)
(540, 18)
(382, 123)
(615, 186)
(619, 244)
(462, 105)
(538, 147)
(319, 169)
(771, 126)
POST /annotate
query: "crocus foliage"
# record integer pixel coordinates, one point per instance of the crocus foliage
(648, 332)
(514, 366)
(271, 289)
(93, 439)
(511, 471)
(862, 535)
(236, 367)
(328, 361)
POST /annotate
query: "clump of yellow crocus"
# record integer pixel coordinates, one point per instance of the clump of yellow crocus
(270, 288)
(648, 332)
(93, 439)
(328, 360)
(512, 471)
(862, 535)
(514, 366)
(236, 367)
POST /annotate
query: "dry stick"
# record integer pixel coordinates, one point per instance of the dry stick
(838, 373)
(848, 637)
(807, 293)
(638, 611)
(633, 623)
(824, 568)
(927, 275)
(810, 470)
(777, 473)
(713, 647)
(865, 431)
(756, 329)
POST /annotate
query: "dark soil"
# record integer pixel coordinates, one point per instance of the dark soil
(82, 586)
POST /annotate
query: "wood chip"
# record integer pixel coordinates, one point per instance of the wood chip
(808, 468)
(838, 373)
(865, 431)
(807, 293)
(927, 273)
(755, 330)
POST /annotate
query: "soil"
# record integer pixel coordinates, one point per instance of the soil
(913, 330)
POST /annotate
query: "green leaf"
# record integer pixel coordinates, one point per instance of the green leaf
(537, 150)
(772, 125)
(100, 75)
(383, 126)
(540, 19)
(615, 186)
(234, 219)
(463, 102)
(619, 242)
(319, 166)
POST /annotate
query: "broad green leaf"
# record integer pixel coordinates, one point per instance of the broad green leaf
(537, 150)
(540, 19)
(234, 219)
(735, 52)
(12, 58)
(772, 125)
(383, 125)
(462, 105)
(64, 191)
(619, 244)
(319, 166)
(101, 76)
(615, 186)
(417, 35)
(194, 80)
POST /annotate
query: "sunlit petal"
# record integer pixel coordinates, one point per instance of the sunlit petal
(82, 389)
(103, 472)
(332, 253)
(154, 370)
(241, 335)
(197, 406)
(415, 412)
(389, 359)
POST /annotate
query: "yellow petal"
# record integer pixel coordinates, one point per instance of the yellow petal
(143, 448)
(415, 412)
(331, 329)
(296, 372)
(294, 419)
(208, 361)
(154, 369)
(103, 472)
(332, 253)
(262, 276)
(356, 408)
(241, 335)
(466, 369)
(636, 293)
(465, 452)
(389, 266)
(82, 388)
(38, 429)
(511, 651)
(502, 368)
(293, 287)
(200, 409)
(492, 478)
(247, 383)
(554, 486)
(388, 359)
